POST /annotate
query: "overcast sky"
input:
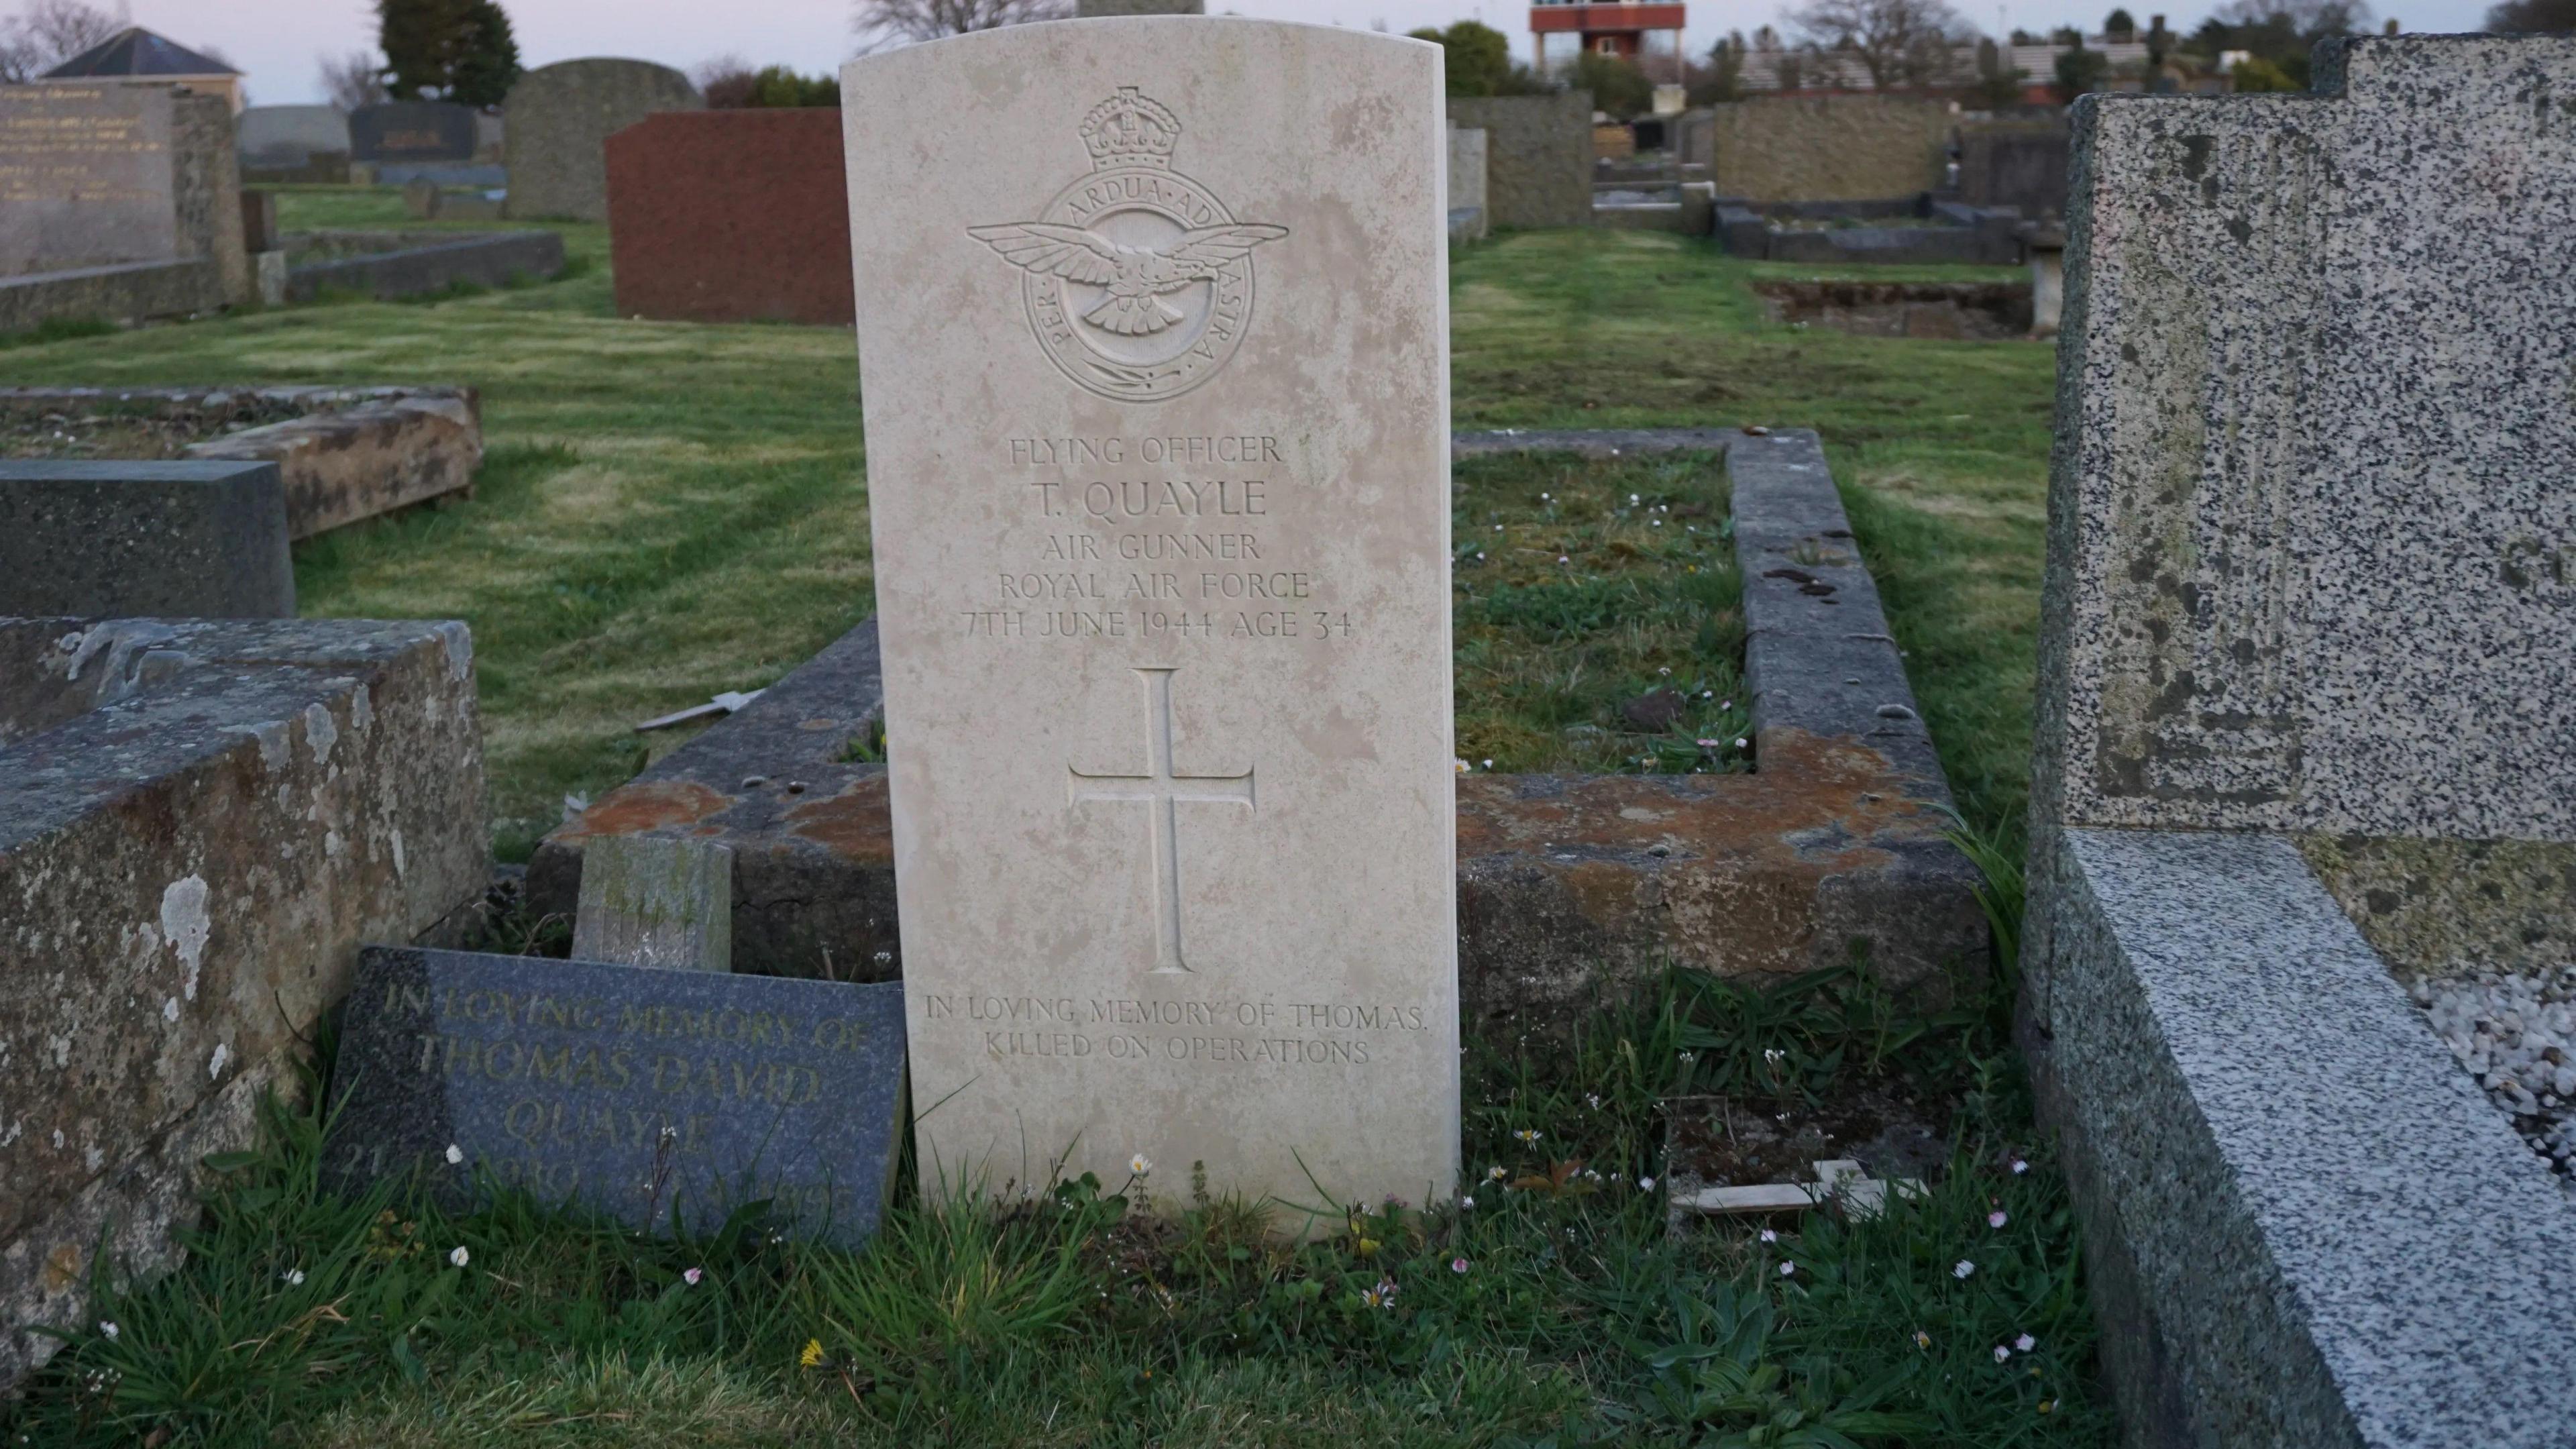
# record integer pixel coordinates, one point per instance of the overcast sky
(275, 42)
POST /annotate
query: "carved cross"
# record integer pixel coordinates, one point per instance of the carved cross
(1163, 789)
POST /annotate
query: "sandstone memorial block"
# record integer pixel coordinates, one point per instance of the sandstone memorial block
(2306, 745)
(642, 1093)
(1153, 335)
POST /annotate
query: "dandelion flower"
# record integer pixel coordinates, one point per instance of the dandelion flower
(811, 1356)
(1922, 1339)
(2025, 1343)
(455, 1154)
(1770, 1235)
(2002, 1353)
(107, 1329)
(1962, 1268)
(692, 1276)
(1788, 1268)
(460, 1257)
(1997, 1218)
(1457, 1265)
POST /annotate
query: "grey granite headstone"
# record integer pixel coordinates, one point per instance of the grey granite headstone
(2307, 659)
(412, 131)
(647, 1095)
(283, 136)
(648, 901)
(183, 540)
(556, 126)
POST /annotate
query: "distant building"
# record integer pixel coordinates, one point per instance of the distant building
(1648, 35)
(136, 55)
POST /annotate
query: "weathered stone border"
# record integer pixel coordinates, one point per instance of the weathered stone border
(344, 453)
(1972, 235)
(429, 262)
(1569, 886)
(201, 822)
(127, 291)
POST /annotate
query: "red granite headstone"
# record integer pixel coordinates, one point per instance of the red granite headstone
(731, 216)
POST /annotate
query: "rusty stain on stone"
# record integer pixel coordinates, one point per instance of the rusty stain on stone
(652, 805)
(855, 824)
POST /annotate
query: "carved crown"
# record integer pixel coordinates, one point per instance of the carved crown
(1130, 130)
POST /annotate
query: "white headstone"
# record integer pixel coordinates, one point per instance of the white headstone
(1153, 335)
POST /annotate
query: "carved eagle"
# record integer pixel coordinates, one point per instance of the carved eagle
(1137, 277)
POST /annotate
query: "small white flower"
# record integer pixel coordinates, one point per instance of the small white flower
(1632, 497)
(692, 1276)
(1774, 1055)
(1667, 669)
(2020, 1167)
(1461, 764)
(1138, 1165)
(1708, 694)
(460, 1257)
(455, 1154)
(1690, 1056)
(1770, 1236)
(1561, 558)
(1592, 1100)
(2025, 1343)
(1529, 1134)
(292, 1277)
(2002, 1353)
(1997, 1218)
(1962, 1268)
(107, 1328)
(1498, 528)
(1788, 1268)
(1739, 742)
(1466, 1204)
(1494, 1173)
(1645, 1184)
(1489, 764)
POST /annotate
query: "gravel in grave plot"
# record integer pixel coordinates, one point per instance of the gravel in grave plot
(64, 433)
(2516, 1033)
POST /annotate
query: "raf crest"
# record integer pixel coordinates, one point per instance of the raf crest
(1138, 281)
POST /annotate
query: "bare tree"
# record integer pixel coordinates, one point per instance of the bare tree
(880, 23)
(49, 32)
(352, 80)
(1899, 42)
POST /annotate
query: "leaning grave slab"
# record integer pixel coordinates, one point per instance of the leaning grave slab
(343, 453)
(200, 822)
(2307, 723)
(1570, 886)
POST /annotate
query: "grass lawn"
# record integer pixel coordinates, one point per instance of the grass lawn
(671, 509)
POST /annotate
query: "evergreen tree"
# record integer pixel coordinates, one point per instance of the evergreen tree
(490, 63)
(457, 50)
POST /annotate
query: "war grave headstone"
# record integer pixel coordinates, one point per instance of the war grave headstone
(202, 820)
(1156, 387)
(556, 124)
(116, 201)
(2306, 744)
(659, 1097)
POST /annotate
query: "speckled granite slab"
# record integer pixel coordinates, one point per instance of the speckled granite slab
(2313, 518)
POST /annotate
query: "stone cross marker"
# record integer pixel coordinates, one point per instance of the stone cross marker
(1153, 333)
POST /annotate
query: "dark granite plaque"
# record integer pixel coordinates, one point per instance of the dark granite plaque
(641, 1093)
(411, 131)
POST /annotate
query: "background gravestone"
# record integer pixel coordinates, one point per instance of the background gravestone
(404, 131)
(284, 137)
(640, 1093)
(87, 176)
(731, 216)
(2020, 164)
(556, 125)
(1204, 908)
(2307, 722)
(1538, 156)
